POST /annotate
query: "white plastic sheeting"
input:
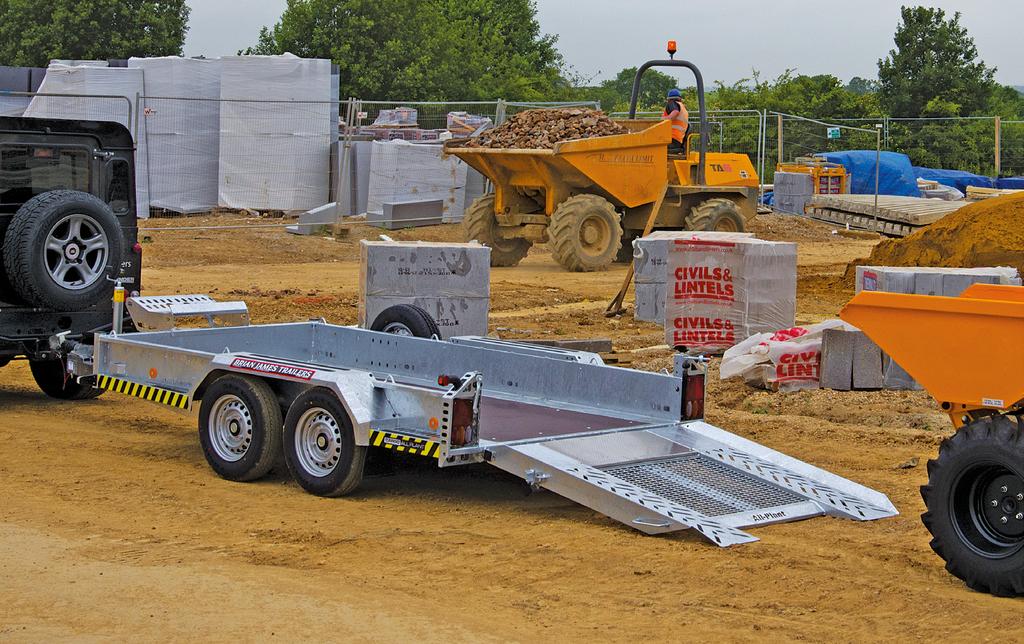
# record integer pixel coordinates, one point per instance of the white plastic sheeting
(275, 154)
(94, 82)
(182, 115)
(402, 171)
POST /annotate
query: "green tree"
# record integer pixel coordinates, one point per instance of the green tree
(424, 49)
(935, 57)
(32, 32)
(615, 93)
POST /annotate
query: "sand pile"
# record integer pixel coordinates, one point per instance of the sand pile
(542, 129)
(986, 233)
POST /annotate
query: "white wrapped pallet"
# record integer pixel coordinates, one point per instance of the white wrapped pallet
(451, 281)
(182, 115)
(722, 291)
(403, 171)
(87, 86)
(275, 132)
(650, 267)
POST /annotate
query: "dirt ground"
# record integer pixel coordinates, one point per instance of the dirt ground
(113, 527)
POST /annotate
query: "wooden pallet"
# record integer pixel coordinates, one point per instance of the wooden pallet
(894, 216)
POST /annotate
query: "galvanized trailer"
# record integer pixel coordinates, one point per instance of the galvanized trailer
(632, 445)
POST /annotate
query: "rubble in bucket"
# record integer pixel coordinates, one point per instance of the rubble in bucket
(786, 360)
(722, 291)
(450, 281)
(542, 129)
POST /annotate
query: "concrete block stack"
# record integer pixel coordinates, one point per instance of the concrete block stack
(792, 191)
(452, 282)
(850, 360)
(721, 291)
(650, 268)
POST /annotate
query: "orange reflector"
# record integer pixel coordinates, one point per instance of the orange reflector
(434, 423)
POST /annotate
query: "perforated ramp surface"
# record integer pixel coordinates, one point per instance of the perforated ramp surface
(703, 484)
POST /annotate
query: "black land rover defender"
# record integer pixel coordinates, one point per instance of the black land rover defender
(68, 229)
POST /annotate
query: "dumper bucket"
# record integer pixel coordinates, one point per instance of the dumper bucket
(628, 169)
(967, 351)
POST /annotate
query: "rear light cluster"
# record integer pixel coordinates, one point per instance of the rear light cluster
(694, 375)
(462, 422)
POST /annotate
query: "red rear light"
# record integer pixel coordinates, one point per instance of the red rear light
(137, 248)
(694, 375)
(462, 422)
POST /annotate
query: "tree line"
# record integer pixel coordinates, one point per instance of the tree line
(415, 50)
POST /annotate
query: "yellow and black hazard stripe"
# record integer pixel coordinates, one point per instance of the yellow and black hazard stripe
(406, 444)
(145, 392)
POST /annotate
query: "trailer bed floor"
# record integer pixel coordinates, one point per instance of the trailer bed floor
(504, 421)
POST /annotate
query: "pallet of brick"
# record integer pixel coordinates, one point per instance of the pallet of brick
(451, 281)
(914, 280)
(792, 191)
(650, 268)
(722, 291)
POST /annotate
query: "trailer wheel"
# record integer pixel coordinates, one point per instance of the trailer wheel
(240, 427)
(479, 223)
(62, 249)
(585, 233)
(975, 505)
(722, 215)
(320, 447)
(407, 320)
(54, 381)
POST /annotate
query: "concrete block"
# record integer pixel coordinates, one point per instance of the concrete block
(837, 349)
(408, 214)
(650, 303)
(867, 363)
(895, 377)
(311, 221)
(454, 315)
(927, 283)
(953, 284)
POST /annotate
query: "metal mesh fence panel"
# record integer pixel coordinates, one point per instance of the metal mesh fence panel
(1012, 148)
(952, 143)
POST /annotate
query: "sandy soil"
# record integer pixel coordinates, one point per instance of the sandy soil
(113, 527)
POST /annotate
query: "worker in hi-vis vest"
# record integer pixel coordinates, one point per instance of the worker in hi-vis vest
(676, 112)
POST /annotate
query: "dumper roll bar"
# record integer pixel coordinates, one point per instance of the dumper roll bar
(635, 97)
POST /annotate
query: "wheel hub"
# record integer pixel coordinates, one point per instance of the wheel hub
(594, 235)
(318, 442)
(73, 253)
(1004, 510)
(230, 428)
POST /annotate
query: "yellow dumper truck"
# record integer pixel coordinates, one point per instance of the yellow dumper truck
(591, 197)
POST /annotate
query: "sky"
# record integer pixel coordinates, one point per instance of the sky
(726, 39)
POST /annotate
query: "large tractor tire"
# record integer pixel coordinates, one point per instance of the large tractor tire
(53, 379)
(479, 223)
(721, 215)
(975, 505)
(62, 250)
(585, 233)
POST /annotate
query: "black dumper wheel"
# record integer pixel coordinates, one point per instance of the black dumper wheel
(62, 249)
(975, 505)
(721, 215)
(480, 224)
(54, 381)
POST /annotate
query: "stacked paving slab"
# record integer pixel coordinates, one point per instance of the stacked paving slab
(849, 360)
(451, 282)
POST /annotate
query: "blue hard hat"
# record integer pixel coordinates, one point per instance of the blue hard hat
(674, 93)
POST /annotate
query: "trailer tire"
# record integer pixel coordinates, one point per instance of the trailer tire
(62, 250)
(320, 446)
(479, 223)
(586, 233)
(240, 427)
(722, 215)
(54, 381)
(406, 320)
(972, 469)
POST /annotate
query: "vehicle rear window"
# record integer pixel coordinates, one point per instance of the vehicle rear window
(27, 170)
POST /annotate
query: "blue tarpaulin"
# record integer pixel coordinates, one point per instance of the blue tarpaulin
(954, 178)
(1010, 183)
(896, 175)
